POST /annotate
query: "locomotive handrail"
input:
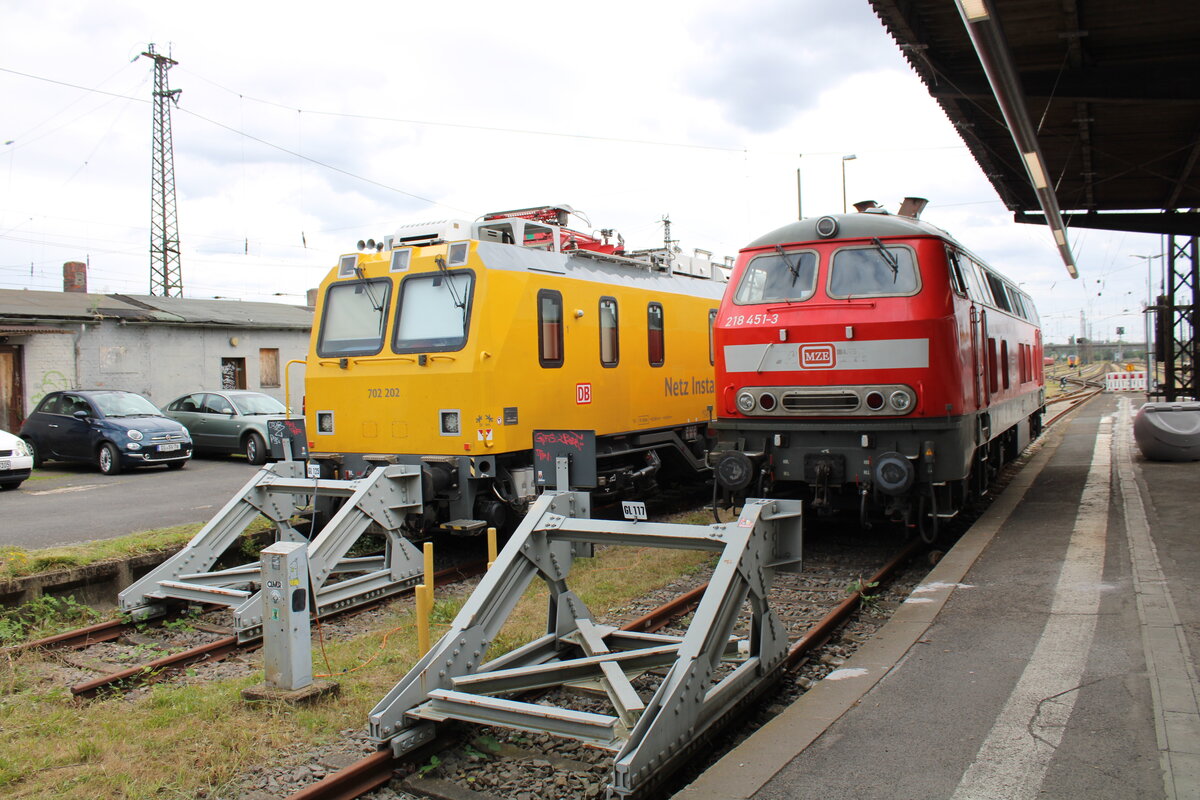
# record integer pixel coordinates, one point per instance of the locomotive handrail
(372, 359)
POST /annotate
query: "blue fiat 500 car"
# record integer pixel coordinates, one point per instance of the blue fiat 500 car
(114, 430)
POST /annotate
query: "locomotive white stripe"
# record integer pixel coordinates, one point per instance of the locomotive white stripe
(826, 356)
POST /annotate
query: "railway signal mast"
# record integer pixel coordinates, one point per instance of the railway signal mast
(166, 278)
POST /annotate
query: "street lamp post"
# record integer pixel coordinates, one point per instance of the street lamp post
(1151, 368)
(844, 160)
(799, 194)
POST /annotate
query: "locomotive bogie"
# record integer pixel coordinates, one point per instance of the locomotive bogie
(453, 356)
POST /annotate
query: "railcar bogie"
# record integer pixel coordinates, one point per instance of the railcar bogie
(870, 363)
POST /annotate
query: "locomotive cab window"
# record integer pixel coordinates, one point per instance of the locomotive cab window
(434, 312)
(609, 343)
(958, 280)
(779, 277)
(550, 328)
(656, 336)
(873, 271)
(354, 318)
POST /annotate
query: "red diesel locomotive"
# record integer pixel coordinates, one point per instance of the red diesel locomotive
(871, 364)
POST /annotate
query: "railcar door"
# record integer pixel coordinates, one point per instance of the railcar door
(977, 356)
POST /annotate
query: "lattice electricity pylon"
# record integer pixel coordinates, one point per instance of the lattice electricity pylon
(656, 722)
(166, 275)
(1177, 321)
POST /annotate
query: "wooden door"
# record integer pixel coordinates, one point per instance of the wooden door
(12, 410)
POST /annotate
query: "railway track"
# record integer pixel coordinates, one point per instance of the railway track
(120, 638)
(813, 605)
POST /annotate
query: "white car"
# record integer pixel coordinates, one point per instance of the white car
(16, 461)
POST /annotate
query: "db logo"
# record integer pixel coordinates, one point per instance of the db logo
(817, 356)
(583, 394)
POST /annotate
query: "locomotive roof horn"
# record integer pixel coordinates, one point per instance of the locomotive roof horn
(913, 206)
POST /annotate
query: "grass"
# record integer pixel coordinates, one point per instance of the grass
(175, 741)
(43, 616)
(16, 562)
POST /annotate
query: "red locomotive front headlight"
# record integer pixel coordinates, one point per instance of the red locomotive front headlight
(766, 401)
(901, 401)
(874, 400)
(745, 402)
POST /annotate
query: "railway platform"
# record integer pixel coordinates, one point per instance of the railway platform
(1050, 654)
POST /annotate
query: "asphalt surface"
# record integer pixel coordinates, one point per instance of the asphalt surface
(68, 503)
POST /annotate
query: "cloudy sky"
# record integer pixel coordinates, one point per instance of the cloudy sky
(303, 127)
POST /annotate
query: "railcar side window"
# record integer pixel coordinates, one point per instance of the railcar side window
(1018, 305)
(873, 272)
(712, 347)
(998, 292)
(778, 278)
(655, 331)
(609, 342)
(354, 318)
(550, 328)
(434, 312)
(980, 292)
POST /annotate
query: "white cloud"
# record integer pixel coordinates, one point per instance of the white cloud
(488, 107)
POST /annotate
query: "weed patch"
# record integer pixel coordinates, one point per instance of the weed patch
(43, 616)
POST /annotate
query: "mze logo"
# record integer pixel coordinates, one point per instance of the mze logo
(583, 394)
(817, 356)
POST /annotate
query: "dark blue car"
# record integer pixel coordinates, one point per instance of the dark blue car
(112, 429)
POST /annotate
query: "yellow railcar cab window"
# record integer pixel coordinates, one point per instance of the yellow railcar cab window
(354, 318)
(434, 312)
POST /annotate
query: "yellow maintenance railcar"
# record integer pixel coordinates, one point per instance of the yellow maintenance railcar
(495, 354)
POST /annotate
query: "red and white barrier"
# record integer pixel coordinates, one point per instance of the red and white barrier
(1126, 381)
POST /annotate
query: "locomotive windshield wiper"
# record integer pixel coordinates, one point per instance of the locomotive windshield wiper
(449, 280)
(888, 256)
(362, 276)
(792, 268)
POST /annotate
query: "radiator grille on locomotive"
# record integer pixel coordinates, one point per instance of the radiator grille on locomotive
(823, 401)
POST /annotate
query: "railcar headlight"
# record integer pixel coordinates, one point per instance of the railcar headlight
(827, 227)
(900, 400)
(766, 401)
(874, 400)
(745, 402)
(450, 426)
(134, 434)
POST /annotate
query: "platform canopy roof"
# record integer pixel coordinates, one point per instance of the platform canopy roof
(1106, 91)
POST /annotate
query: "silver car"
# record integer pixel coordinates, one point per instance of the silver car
(228, 421)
